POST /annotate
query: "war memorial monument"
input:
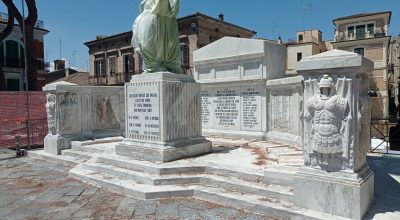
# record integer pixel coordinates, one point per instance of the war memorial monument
(236, 133)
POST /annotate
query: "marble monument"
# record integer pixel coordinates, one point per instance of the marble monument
(233, 73)
(335, 177)
(77, 113)
(163, 108)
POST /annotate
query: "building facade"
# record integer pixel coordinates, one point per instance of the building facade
(367, 34)
(307, 43)
(12, 55)
(112, 59)
(394, 76)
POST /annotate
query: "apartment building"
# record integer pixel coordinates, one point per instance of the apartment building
(112, 59)
(13, 58)
(367, 34)
(307, 43)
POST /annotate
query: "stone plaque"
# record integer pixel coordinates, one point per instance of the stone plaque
(70, 122)
(207, 108)
(251, 108)
(143, 103)
(227, 108)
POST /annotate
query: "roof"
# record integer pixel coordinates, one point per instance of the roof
(108, 38)
(363, 15)
(58, 74)
(79, 78)
(198, 14)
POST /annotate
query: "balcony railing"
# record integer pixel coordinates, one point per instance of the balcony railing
(112, 79)
(39, 24)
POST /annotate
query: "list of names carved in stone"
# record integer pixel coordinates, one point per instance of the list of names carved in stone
(227, 108)
(251, 108)
(143, 113)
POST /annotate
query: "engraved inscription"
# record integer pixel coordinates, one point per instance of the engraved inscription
(143, 112)
(206, 107)
(227, 108)
(251, 108)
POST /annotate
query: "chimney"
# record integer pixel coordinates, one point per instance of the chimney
(59, 64)
(279, 40)
(221, 17)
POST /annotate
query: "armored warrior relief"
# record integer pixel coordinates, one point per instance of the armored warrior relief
(326, 114)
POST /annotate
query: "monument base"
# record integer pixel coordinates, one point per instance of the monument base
(53, 144)
(163, 118)
(163, 152)
(338, 193)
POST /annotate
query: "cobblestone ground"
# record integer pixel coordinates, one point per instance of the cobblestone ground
(32, 189)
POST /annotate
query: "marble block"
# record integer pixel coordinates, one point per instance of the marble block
(233, 74)
(344, 194)
(78, 113)
(54, 144)
(163, 118)
(335, 178)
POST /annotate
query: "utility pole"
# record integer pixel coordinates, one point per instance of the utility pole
(73, 58)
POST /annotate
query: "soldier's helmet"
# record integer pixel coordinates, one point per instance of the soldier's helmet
(326, 82)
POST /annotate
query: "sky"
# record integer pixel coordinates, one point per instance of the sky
(77, 21)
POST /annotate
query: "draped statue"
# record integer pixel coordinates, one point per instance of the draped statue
(156, 36)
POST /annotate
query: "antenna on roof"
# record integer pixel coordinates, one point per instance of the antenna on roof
(306, 8)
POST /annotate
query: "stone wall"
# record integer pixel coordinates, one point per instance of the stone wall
(285, 97)
(83, 113)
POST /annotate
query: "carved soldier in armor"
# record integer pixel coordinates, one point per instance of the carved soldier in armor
(326, 112)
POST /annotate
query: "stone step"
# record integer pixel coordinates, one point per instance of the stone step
(228, 142)
(280, 175)
(283, 193)
(295, 162)
(268, 145)
(229, 183)
(150, 167)
(76, 154)
(274, 209)
(129, 187)
(59, 159)
(98, 148)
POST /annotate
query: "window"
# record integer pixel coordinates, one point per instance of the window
(112, 65)
(371, 29)
(360, 31)
(140, 63)
(350, 32)
(128, 64)
(359, 50)
(299, 56)
(193, 26)
(300, 38)
(185, 55)
(99, 66)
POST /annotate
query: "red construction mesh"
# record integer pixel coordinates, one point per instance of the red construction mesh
(14, 118)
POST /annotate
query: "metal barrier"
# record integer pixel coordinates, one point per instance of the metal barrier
(22, 114)
(388, 131)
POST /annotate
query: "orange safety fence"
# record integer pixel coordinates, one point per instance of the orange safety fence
(15, 119)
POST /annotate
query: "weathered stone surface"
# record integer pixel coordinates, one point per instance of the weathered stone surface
(163, 118)
(336, 138)
(82, 113)
(232, 73)
(284, 108)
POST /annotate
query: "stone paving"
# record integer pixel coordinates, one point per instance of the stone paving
(32, 189)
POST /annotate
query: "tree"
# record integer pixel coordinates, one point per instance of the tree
(29, 23)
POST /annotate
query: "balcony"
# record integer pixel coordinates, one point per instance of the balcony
(112, 79)
(4, 18)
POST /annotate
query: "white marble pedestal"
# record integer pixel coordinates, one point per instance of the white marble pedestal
(340, 193)
(54, 144)
(163, 118)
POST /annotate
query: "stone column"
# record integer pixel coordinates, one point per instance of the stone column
(163, 118)
(54, 142)
(335, 178)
